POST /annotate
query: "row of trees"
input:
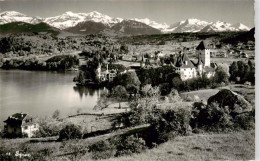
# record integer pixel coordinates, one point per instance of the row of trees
(242, 72)
(62, 62)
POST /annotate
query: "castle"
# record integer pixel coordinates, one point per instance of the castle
(107, 75)
(191, 69)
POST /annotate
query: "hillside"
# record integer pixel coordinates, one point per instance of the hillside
(232, 146)
(229, 146)
(22, 27)
(242, 37)
(88, 27)
(135, 28)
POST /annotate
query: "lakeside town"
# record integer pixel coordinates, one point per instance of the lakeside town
(165, 96)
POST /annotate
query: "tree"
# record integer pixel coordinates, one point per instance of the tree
(165, 88)
(120, 93)
(70, 131)
(221, 75)
(127, 80)
(241, 68)
(233, 70)
(176, 83)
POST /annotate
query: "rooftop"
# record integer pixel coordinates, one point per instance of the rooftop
(16, 117)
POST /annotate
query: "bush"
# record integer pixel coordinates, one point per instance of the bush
(167, 123)
(212, 118)
(117, 146)
(102, 150)
(47, 129)
(76, 148)
(130, 145)
(70, 132)
(244, 121)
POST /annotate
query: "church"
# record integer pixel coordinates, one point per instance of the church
(189, 69)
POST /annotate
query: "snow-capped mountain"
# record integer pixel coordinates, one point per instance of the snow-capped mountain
(70, 19)
(196, 25)
(220, 26)
(241, 27)
(13, 16)
(188, 25)
(162, 27)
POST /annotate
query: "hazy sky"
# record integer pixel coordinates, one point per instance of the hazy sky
(169, 11)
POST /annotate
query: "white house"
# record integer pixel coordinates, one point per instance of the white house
(185, 67)
(106, 75)
(20, 124)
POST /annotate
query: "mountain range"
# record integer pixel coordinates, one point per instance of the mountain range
(95, 22)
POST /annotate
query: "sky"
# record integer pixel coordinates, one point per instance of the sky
(168, 11)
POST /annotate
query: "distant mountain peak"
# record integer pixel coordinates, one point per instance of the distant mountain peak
(156, 25)
(5, 13)
(241, 26)
(95, 13)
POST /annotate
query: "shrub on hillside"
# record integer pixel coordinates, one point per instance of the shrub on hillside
(102, 150)
(117, 146)
(166, 122)
(212, 118)
(70, 131)
(47, 128)
(245, 121)
(130, 145)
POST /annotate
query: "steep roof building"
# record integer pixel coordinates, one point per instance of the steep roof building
(19, 125)
(189, 69)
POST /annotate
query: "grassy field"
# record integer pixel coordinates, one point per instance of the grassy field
(200, 95)
(248, 92)
(232, 146)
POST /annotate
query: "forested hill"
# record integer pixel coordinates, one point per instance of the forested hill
(22, 27)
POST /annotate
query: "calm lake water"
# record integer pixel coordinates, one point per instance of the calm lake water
(40, 93)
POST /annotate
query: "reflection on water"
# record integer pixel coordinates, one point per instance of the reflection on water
(86, 91)
(41, 93)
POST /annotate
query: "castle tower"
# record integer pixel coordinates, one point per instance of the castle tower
(203, 53)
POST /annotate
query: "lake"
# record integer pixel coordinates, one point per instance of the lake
(40, 93)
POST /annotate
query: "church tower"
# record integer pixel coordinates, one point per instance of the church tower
(203, 53)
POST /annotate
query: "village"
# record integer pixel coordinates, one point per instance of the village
(137, 78)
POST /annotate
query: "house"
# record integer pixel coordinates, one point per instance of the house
(107, 75)
(190, 69)
(19, 125)
(185, 67)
